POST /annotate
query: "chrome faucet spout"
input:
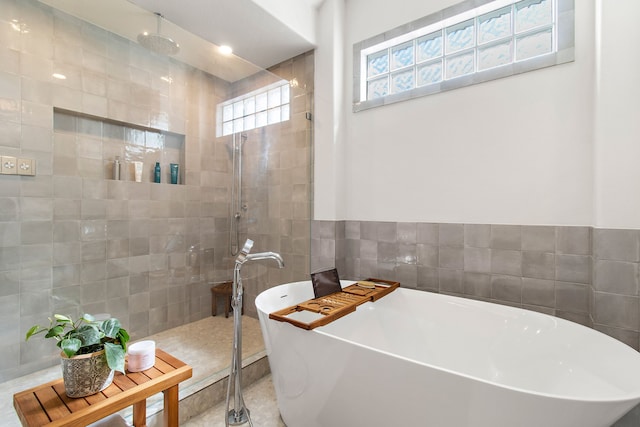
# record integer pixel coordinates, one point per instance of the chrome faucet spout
(265, 255)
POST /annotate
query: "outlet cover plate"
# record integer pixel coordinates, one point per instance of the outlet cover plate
(26, 167)
(8, 166)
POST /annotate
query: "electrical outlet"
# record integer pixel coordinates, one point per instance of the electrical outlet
(8, 166)
(26, 167)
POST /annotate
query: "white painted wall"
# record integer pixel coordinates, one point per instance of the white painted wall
(329, 113)
(519, 150)
(617, 135)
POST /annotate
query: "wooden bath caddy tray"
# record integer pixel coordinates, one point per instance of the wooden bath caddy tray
(323, 310)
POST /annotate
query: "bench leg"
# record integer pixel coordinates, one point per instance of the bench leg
(171, 413)
(140, 413)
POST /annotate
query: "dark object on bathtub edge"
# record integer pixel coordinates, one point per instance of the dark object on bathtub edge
(325, 282)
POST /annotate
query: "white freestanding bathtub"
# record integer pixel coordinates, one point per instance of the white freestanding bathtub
(423, 359)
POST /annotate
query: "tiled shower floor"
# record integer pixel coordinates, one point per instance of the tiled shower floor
(206, 346)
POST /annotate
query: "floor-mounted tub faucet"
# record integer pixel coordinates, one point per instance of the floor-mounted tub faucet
(240, 413)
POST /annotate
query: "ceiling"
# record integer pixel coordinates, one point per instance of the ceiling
(259, 39)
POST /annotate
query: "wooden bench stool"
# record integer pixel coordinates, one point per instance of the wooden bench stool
(48, 404)
(223, 290)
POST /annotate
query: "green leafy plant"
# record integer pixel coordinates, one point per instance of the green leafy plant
(87, 335)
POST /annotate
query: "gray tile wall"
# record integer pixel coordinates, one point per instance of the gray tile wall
(74, 241)
(614, 305)
(543, 268)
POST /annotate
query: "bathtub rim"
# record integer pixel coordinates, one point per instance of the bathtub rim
(474, 302)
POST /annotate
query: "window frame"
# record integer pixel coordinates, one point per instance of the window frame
(563, 38)
(280, 104)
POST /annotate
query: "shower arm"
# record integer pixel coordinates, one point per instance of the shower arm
(159, 20)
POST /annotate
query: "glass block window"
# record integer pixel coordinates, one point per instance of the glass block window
(472, 42)
(262, 107)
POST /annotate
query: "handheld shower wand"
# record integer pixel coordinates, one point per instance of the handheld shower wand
(240, 413)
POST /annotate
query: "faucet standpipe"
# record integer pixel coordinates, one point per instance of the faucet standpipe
(240, 413)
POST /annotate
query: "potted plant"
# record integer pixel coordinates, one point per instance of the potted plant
(91, 351)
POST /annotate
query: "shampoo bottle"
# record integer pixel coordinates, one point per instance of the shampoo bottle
(137, 171)
(116, 168)
(174, 173)
(156, 173)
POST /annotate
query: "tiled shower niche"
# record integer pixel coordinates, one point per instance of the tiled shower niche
(87, 146)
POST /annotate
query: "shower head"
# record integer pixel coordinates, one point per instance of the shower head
(158, 43)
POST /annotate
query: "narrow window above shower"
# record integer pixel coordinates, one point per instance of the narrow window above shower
(469, 43)
(261, 107)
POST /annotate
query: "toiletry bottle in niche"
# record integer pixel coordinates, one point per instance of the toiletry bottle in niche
(137, 171)
(156, 173)
(174, 173)
(116, 168)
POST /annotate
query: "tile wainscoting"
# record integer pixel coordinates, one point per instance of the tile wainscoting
(584, 274)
